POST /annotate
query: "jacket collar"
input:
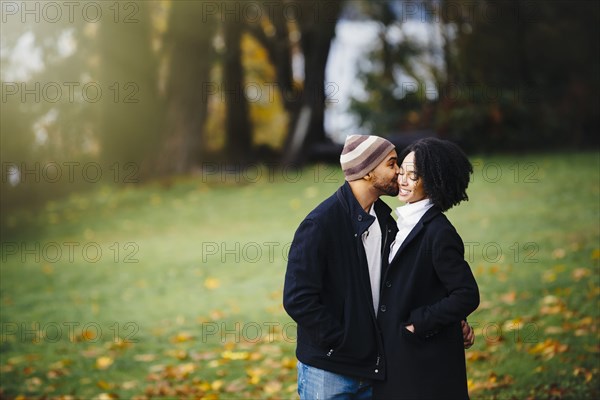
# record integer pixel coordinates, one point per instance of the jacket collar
(361, 220)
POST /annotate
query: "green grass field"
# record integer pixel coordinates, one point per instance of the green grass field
(173, 289)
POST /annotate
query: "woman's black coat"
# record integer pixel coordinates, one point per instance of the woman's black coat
(430, 285)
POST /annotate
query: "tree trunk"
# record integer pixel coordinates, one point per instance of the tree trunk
(189, 47)
(306, 105)
(237, 122)
(317, 27)
(130, 113)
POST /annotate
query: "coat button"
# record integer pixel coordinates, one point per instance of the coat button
(360, 217)
(388, 284)
(383, 308)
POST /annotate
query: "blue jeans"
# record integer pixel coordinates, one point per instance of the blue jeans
(317, 384)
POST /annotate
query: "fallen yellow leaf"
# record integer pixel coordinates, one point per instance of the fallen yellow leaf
(549, 276)
(144, 357)
(272, 387)
(105, 396)
(289, 363)
(558, 253)
(216, 385)
(513, 324)
(182, 337)
(104, 362)
(509, 298)
(554, 330)
(235, 355)
(128, 385)
(493, 381)
(548, 348)
(104, 385)
(89, 334)
(474, 355)
(255, 374)
(217, 315)
(580, 273)
(179, 354)
(211, 283)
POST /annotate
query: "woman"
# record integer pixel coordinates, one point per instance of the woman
(428, 287)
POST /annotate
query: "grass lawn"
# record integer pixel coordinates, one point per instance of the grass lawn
(173, 288)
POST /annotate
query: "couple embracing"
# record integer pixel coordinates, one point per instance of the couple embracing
(380, 304)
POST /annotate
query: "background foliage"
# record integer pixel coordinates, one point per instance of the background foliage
(182, 82)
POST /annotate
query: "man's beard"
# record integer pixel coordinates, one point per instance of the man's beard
(391, 188)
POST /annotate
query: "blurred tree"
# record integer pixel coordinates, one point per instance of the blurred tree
(46, 122)
(314, 23)
(267, 113)
(238, 127)
(313, 27)
(190, 57)
(131, 114)
(393, 103)
(527, 73)
(516, 74)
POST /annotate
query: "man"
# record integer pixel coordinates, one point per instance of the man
(332, 279)
(332, 282)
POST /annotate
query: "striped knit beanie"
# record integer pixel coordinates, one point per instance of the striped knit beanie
(362, 153)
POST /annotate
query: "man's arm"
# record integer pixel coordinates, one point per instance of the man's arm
(304, 286)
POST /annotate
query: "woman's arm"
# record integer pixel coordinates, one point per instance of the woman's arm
(456, 276)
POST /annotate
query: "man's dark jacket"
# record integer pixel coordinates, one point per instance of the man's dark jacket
(327, 288)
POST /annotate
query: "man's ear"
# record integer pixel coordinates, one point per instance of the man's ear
(368, 177)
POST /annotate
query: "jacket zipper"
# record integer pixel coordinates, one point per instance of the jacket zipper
(387, 231)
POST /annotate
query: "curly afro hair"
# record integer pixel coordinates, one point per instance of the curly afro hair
(444, 169)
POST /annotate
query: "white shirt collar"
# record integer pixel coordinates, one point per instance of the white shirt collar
(412, 212)
(372, 210)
